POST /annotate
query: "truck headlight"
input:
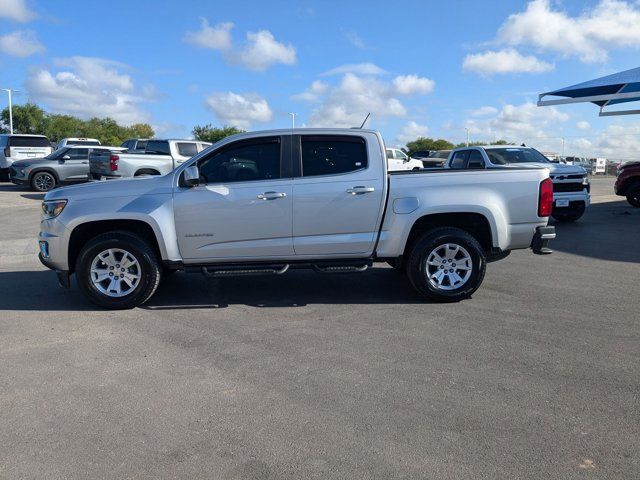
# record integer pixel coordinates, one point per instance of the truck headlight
(52, 208)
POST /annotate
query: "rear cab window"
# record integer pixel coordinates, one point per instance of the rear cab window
(160, 147)
(459, 159)
(332, 155)
(29, 142)
(187, 149)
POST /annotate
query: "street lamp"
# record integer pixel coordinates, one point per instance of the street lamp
(9, 92)
(293, 119)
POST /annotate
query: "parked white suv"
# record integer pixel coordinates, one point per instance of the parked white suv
(398, 161)
(571, 187)
(19, 147)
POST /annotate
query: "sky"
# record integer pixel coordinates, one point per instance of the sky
(421, 68)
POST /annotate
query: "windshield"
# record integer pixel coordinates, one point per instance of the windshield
(504, 156)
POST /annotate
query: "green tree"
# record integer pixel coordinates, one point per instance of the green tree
(482, 143)
(27, 118)
(208, 133)
(425, 144)
(140, 130)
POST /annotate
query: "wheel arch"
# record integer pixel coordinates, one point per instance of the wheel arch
(50, 170)
(86, 231)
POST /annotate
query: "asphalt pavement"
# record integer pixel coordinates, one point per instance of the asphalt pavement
(345, 376)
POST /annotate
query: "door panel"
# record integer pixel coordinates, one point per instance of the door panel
(231, 221)
(336, 214)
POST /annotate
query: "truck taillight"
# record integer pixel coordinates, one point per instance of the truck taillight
(545, 202)
(113, 162)
(7, 151)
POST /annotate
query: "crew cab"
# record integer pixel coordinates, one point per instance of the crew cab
(14, 147)
(628, 183)
(571, 186)
(159, 157)
(264, 203)
(398, 160)
(65, 165)
(86, 142)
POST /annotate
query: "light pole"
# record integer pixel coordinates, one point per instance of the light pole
(467, 129)
(10, 91)
(563, 146)
(293, 119)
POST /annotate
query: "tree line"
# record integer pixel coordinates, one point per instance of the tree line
(423, 144)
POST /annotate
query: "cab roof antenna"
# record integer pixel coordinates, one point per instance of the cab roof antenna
(365, 120)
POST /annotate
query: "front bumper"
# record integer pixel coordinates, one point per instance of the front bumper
(541, 239)
(564, 199)
(64, 277)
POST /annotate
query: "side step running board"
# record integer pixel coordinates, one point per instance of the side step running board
(340, 268)
(243, 270)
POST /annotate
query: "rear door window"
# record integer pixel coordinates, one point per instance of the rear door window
(459, 159)
(187, 149)
(332, 155)
(29, 142)
(475, 160)
(78, 153)
(158, 146)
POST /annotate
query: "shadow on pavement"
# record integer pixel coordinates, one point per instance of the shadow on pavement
(39, 290)
(608, 231)
(33, 196)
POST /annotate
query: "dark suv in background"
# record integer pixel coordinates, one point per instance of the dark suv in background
(628, 183)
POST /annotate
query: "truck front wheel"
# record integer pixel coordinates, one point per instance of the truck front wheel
(118, 270)
(446, 264)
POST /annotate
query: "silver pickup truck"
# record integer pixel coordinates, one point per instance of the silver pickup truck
(158, 158)
(268, 202)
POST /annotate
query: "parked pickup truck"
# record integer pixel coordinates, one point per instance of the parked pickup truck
(269, 202)
(571, 187)
(159, 157)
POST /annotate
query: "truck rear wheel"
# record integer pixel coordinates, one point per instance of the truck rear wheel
(446, 264)
(118, 270)
(633, 196)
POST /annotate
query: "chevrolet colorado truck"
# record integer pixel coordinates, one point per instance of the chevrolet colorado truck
(571, 186)
(263, 203)
(158, 158)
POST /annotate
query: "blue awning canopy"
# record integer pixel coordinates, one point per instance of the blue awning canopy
(621, 87)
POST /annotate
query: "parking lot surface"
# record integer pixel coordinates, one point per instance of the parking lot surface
(341, 376)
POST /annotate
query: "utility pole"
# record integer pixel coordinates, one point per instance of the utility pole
(10, 91)
(293, 119)
(467, 129)
(563, 146)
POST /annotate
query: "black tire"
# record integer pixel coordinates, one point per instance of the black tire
(150, 269)
(43, 181)
(633, 196)
(396, 264)
(418, 271)
(567, 215)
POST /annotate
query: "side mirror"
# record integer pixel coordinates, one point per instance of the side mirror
(191, 176)
(66, 157)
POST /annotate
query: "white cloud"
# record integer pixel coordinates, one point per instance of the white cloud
(410, 84)
(88, 87)
(411, 131)
(21, 43)
(503, 61)
(260, 51)
(347, 103)
(357, 69)
(16, 10)
(583, 125)
(312, 94)
(217, 37)
(589, 36)
(239, 110)
(484, 111)
(263, 50)
(518, 123)
(354, 38)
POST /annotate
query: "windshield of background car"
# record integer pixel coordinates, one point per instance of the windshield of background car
(505, 156)
(61, 152)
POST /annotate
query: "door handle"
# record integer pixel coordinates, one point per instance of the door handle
(271, 195)
(359, 190)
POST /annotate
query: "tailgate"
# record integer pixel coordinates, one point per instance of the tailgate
(100, 164)
(19, 153)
